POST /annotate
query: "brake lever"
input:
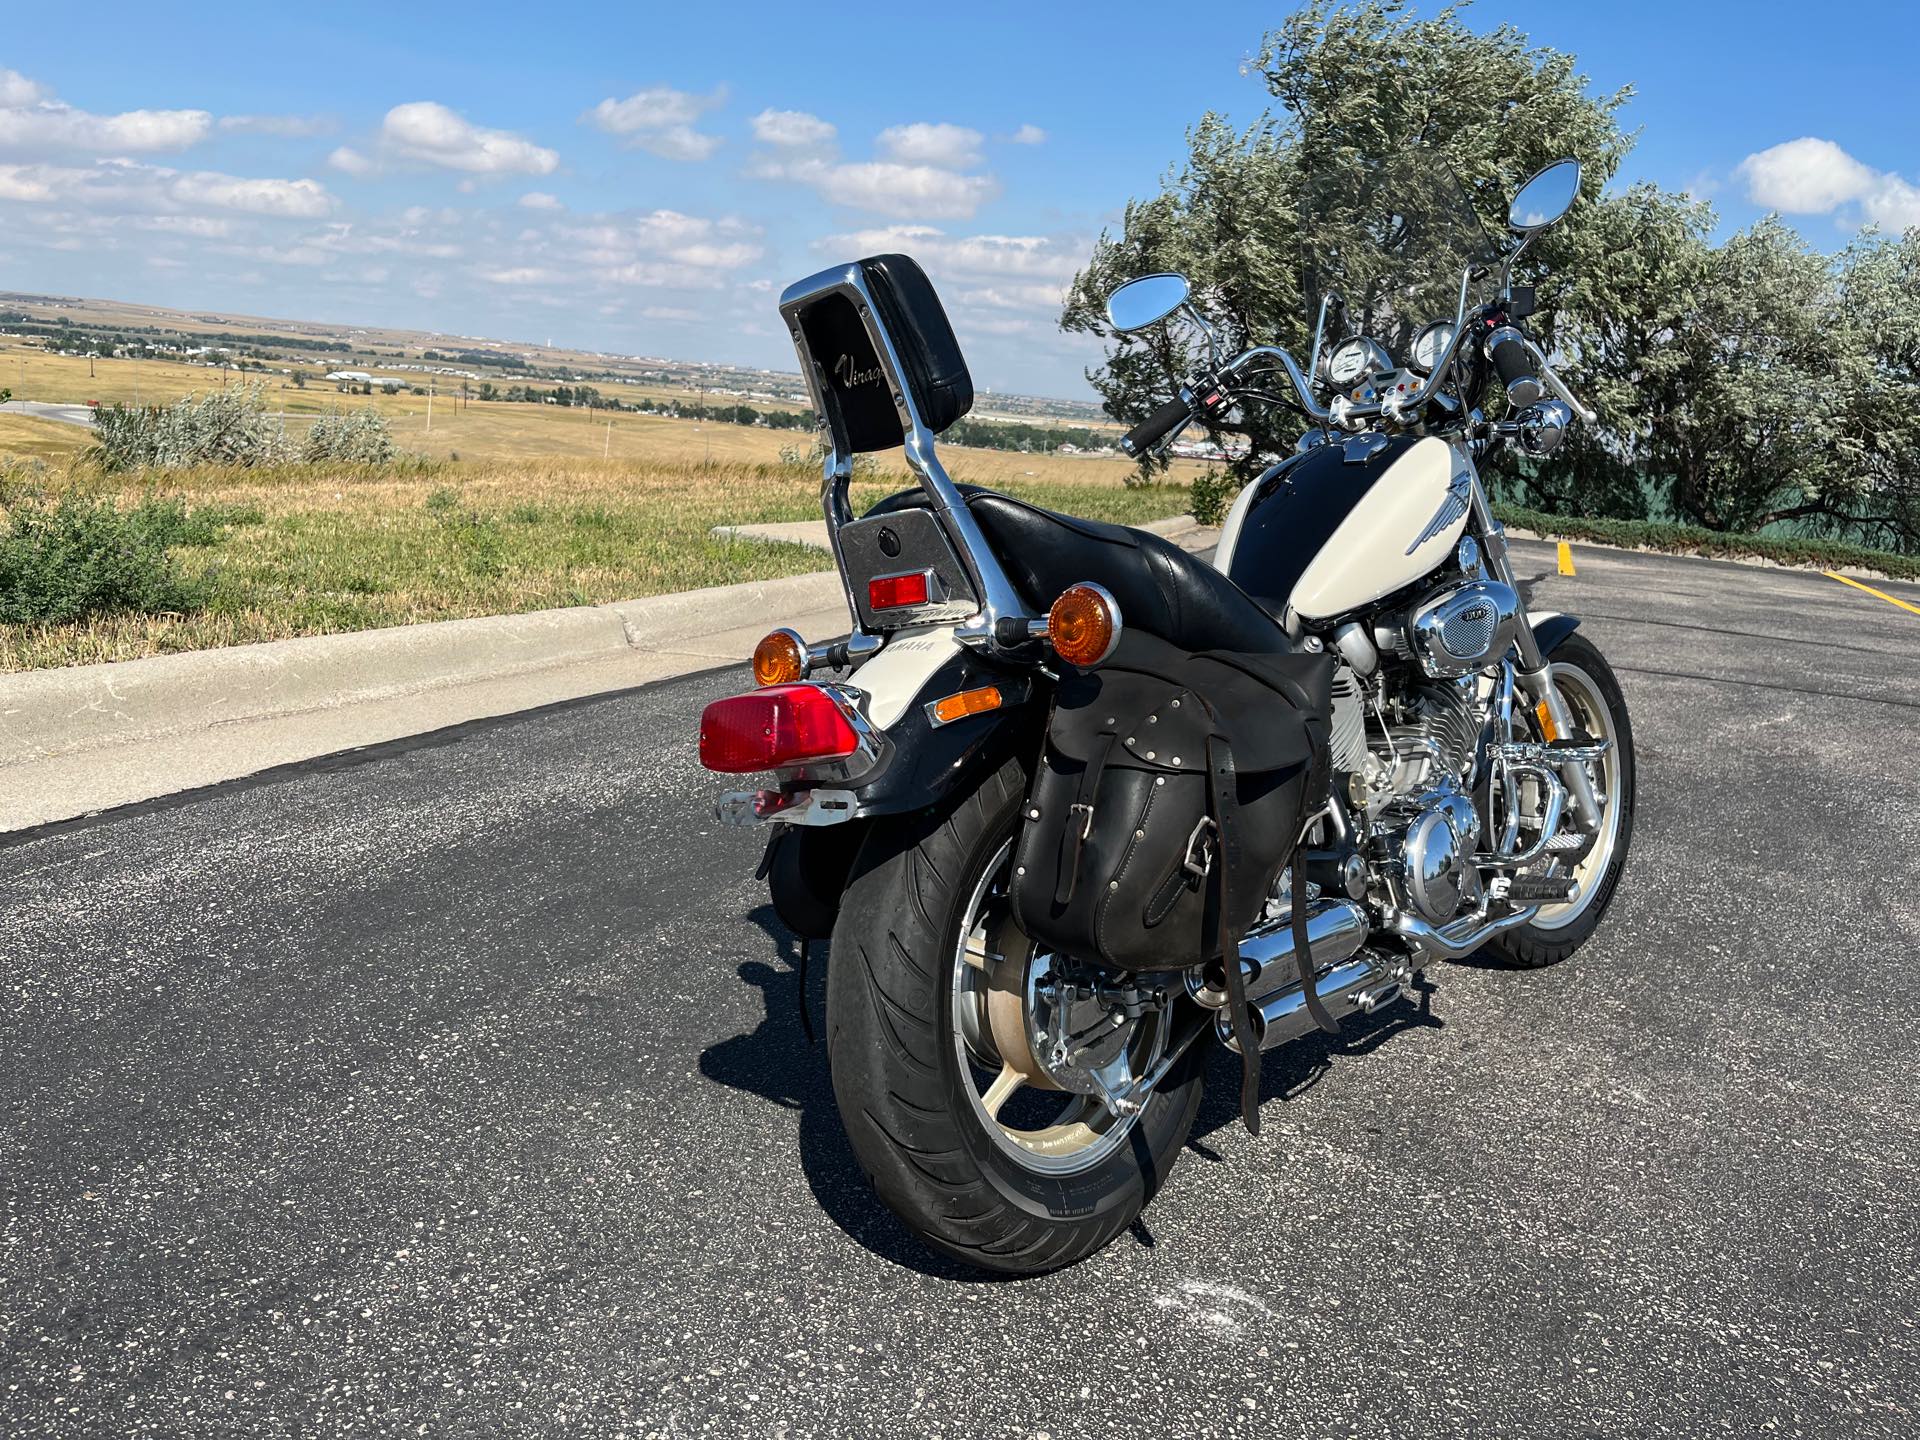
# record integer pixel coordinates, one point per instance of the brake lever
(1554, 382)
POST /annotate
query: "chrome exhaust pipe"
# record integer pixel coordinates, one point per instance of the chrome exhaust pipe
(1363, 983)
(1335, 930)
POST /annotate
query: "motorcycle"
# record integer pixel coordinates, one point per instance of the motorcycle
(1469, 785)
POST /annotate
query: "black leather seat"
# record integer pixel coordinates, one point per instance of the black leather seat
(1161, 588)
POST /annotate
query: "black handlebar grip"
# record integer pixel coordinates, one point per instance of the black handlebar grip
(1508, 351)
(1150, 431)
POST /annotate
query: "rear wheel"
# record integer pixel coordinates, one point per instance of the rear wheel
(946, 1035)
(1586, 682)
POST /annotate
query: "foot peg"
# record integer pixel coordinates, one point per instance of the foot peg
(1539, 889)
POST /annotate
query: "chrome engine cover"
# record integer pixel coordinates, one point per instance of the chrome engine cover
(1436, 854)
(1464, 628)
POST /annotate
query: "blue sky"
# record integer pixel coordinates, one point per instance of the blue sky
(644, 178)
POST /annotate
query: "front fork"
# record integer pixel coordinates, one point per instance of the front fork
(1535, 674)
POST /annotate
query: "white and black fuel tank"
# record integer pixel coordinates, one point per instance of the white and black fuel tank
(1346, 523)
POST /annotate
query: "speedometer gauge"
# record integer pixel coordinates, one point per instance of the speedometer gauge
(1429, 345)
(1354, 359)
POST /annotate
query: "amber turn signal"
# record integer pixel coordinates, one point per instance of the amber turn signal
(780, 659)
(1084, 624)
(967, 702)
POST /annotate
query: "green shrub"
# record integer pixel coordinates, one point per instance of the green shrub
(64, 561)
(1690, 539)
(1212, 493)
(223, 427)
(360, 437)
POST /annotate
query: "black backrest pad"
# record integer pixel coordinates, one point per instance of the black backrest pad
(936, 371)
(850, 369)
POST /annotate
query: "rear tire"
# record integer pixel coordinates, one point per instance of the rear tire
(1588, 685)
(906, 1097)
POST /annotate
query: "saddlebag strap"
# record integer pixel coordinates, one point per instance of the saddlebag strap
(1219, 928)
(806, 1020)
(1302, 946)
(1073, 834)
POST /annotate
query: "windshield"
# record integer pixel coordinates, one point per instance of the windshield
(1391, 235)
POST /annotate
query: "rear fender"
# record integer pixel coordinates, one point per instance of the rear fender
(927, 764)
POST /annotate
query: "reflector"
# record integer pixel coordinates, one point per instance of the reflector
(890, 592)
(772, 728)
(967, 702)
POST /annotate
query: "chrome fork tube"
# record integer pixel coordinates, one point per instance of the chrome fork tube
(1535, 676)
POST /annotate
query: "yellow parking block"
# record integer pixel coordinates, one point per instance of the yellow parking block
(1566, 558)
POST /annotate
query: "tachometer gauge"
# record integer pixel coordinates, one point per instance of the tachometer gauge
(1429, 345)
(1354, 359)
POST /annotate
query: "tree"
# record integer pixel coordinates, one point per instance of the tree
(1364, 94)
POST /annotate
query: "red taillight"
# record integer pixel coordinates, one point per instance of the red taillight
(778, 726)
(890, 592)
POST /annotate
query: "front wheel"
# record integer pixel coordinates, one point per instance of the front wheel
(1599, 710)
(944, 1035)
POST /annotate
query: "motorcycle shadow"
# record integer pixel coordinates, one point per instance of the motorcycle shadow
(776, 1062)
(1289, 1071)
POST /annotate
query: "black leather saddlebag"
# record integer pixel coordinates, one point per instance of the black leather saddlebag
(1168, 799)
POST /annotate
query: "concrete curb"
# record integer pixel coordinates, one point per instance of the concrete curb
(44, 713)
(813, 533)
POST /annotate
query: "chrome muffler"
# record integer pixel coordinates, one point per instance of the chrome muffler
(1362, 983)
(1335, 930)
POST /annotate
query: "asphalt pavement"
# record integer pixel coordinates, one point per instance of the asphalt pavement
(455, 1087)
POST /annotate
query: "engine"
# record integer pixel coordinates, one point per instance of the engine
(1407, 759)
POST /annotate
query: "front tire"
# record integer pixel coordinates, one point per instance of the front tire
(1586, 682)
(905, 1061)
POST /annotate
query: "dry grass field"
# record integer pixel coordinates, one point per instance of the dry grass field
(499, 507)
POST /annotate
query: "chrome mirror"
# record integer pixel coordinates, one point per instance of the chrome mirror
(1545, 198)
(1146, 301)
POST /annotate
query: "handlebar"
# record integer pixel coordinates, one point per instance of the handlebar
(1157, 426)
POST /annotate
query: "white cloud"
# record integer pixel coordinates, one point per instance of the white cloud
(948, 147)
(660, 119)
(793, 130)
(921, 176)
(349, 161)
(1805, 177)
(428, 133)
(43, 126)
(17, 89)
(129, 187)
(304, 199)
(286, 127)
(1810, 176)
(1023, 257)
(1028, 135)
(540, 200)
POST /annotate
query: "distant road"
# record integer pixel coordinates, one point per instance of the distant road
(66, 414)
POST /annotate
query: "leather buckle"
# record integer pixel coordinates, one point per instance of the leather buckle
(1086, 824)
(1198, 840)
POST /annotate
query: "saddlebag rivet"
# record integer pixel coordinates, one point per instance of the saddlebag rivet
(1019, 869)
(1129, 739)
(1159, 779)
(1033, 814)
(1139, 834)
(1176, 760)
(1153, 719)
(1149, 754)
(1113, 884)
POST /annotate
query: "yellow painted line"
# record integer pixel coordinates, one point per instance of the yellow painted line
(1566, 558)
(1879, 594)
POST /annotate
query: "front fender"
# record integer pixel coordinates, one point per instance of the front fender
(1551, 629)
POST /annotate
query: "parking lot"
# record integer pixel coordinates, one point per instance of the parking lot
(459, 1085)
